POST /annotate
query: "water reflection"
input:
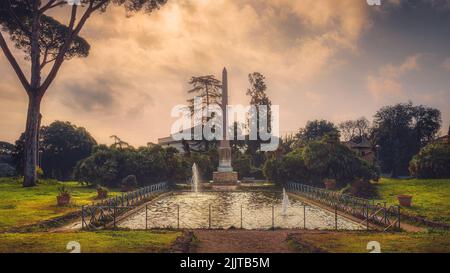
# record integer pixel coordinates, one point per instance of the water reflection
(191, 210)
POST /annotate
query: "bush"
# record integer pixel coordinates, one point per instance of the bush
(101, 168)
(362, 188)
(433, 161)
(7, 170)
(270, 170)
(102, 192)
(257, 173)
(243, 165)
(319, 160)
(153, 164)
(129, 183)
(204, 163)
(336, 161)
(290, 168)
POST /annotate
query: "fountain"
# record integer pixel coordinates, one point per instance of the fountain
(285, 203)
(195, 182)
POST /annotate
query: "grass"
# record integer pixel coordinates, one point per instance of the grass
(24, 206)
(431, 197)
(356, 242)
(97, 242)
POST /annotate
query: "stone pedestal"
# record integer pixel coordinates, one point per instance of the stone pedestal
(225, 178)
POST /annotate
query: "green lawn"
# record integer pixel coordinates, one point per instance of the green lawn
(431, 197)
(356, 242)
(100, 241)
(24, 206)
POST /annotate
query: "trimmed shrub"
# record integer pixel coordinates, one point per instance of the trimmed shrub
(243, 165)
(319, 160)
(433, 161)
(257, 173)
(362, 188)
(7, 170)
(129, 183)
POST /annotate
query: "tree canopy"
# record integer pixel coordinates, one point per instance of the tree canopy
(355, 130)
(400, 131)
(318, 160)
(316, 130)
(433, 161)
(45, 40)
(63, 145)
(258, 98)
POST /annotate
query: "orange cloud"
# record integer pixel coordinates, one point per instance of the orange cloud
(387, 80)
(138, 67)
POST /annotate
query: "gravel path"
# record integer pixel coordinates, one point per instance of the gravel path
(242, 241)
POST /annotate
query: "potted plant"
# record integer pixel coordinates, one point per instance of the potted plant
(404, 200)
(330, 184)
(102, 192)
(63, 197)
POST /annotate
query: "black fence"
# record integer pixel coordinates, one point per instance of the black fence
(106, 211)
(369, 211)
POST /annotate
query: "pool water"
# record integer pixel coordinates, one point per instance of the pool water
(249, 210)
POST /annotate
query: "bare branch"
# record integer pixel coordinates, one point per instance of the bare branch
(47, 62)
(69, 38)
(73, 32)
(51, 4)
(14, 63)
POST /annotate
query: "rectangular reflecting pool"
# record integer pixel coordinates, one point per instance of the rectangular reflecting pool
(249, 210)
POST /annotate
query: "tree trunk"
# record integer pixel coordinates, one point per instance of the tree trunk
(31, 141)
(31, 146)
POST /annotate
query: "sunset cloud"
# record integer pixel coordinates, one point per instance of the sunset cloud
(446, 64)
(138, 67)
(387, 80)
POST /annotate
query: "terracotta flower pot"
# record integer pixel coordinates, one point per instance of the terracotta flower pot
(404, 200)
(101, 194)
(63, 200)
(330, 184)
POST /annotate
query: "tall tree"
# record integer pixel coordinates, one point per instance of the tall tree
(209, 89)
(45, 41)
(63, 145)
(258, 97)
(355, 130)
(316, 130)
(119, 143)
(400, 131)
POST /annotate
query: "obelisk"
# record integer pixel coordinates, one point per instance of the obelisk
(225, 174)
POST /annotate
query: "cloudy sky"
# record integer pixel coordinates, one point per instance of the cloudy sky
(327, 59)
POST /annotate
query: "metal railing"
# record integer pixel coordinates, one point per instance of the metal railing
(369, 211)
(106, 211)
(298, 216)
